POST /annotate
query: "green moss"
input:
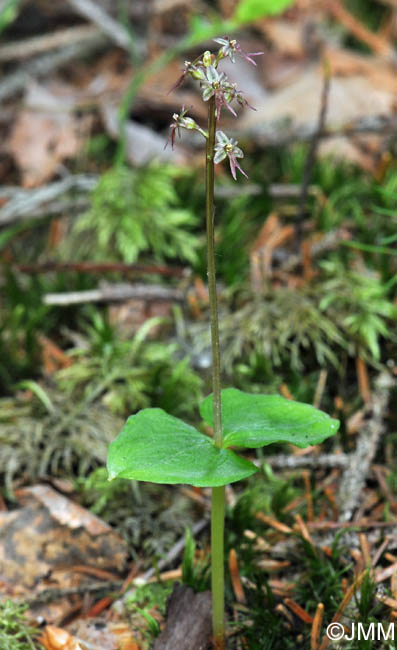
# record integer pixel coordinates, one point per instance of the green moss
(136, 211)
(15, 632)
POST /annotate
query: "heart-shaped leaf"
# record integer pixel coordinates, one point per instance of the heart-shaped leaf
(157, 447)
(258, 420)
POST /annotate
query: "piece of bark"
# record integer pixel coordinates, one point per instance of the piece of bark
(189, 625)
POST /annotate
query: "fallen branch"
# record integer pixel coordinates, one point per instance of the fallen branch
(115, 292)
(356, 472)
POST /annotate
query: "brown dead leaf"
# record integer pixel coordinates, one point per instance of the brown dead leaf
(285, 35)
(101, 634)
(55, 638)
(44, 134)
(53, 357)
(42, 542)
(351, 98)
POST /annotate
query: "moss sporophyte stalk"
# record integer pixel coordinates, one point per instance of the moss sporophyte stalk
(155, 446)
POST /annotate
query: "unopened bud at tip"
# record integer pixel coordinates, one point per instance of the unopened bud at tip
(207, 58)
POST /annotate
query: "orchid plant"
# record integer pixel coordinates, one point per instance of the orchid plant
(155, 446)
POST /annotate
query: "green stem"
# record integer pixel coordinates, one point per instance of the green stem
(217, 566)
(209, 195)
(218, 493)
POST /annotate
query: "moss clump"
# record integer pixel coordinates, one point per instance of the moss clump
(15, 632)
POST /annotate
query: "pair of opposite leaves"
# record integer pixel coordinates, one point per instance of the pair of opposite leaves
(155, 446)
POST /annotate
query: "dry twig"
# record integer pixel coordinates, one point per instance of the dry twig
(114, 292)
(38, 44)
(93, 12)
(356, 473)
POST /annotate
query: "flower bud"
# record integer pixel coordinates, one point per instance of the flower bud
(187, 123)
(207, 58)
(196, 73)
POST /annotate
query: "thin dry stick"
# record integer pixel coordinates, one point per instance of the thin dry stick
(316, 627)
(380, 551)
(277, 525)
(363, 380)
(298, 610)
(95, 14)
(311, 157)
(386, 573)
(337, 525)
(325, 461)
(322, 380)
(235, 577)
(304, 531)
(38, 44)
(365, 549)
(308, 495)
(113, 293)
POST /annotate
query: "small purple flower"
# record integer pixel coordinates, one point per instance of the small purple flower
(243, 102)
(230, 47)
(191, 69)
(180, 121)
(217, 84)
(233, 93)
(175, 127)
(227, 147)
